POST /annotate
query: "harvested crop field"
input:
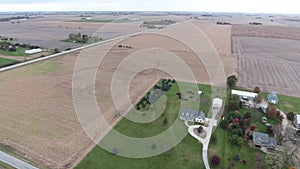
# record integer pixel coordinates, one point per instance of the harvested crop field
(37, 114)
(272, 64)
(49, 31)
(276, 32)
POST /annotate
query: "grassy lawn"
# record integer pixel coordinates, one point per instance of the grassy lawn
(5, 166)
(256, 119)
(289, 104)
(4, 61)
(227, 151)
(171, 113)
(19, 52)
(187, 154)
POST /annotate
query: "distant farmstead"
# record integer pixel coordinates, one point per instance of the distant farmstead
(33, 51)
(192, 116)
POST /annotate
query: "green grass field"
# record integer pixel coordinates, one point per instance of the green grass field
(19, 52)
(5, 166)
(187, 154)
(4, 61)
(289, 104)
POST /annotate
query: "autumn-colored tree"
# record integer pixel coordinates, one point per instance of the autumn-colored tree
(245, 122)
(256, 89)
(215, 160)
(259, 98)
(290, 116)
(236, 120)
(292, 167)
(272, 112)
(246, 138)
(253, 127)
(237, 112)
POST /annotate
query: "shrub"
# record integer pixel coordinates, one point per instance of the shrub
(215, 160)
(214, 139)
(253, 127)
(248, 115)
(224, 124)
(237, 157)
(165, 121)
(200, 129)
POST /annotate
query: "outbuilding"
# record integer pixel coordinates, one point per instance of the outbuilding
(33, 51)
(296, 121)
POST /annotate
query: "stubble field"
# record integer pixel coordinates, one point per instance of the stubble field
(272, 64)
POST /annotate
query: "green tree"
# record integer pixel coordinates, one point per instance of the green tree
(233, 103)
(200, 129)
(231, 81)
(56, 50)
(240, 141)
(165, 120)
(224, 124)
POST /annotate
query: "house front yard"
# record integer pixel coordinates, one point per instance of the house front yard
(227, 151)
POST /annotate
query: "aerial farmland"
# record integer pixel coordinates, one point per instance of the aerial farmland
(39, 122)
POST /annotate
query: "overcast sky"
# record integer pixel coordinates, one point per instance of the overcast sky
(257, 6)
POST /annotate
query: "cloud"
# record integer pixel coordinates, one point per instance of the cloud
(260, 6)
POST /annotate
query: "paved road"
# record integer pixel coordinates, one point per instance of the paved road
(78, 49)
(69, 51)
(14, 162)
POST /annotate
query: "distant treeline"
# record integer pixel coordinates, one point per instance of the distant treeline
(13, 18)
(161, 22)
(223, 23)
(255, 23)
